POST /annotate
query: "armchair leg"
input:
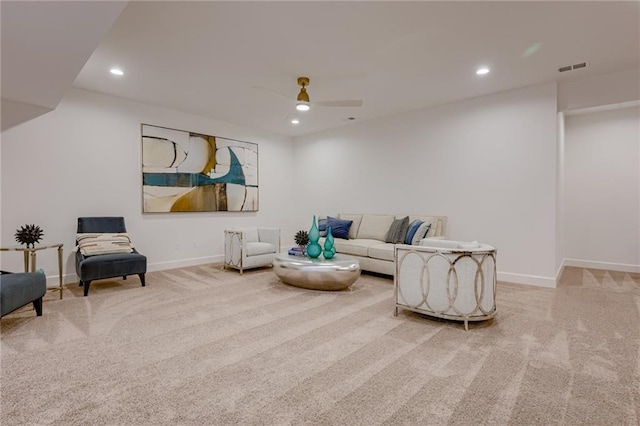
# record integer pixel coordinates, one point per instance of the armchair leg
(86, 287)
(124, 277)
(37, 305)
(142, 279)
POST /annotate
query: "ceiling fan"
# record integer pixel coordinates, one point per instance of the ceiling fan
(303, 103)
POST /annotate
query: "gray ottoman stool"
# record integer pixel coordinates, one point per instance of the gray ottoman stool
(16, 290)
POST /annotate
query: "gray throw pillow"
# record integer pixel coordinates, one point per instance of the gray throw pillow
(402, 234)
(398, 230)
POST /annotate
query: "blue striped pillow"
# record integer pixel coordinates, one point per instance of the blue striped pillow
(413, 227)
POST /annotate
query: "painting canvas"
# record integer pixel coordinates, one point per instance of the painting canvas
(192, 172)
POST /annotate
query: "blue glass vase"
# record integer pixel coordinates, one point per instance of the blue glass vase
(314, 249)
(329, 249)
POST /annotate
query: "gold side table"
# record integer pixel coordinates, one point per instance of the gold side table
(29, 254)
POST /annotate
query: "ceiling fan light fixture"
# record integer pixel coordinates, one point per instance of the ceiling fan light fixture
(302, 106)
(303, 96)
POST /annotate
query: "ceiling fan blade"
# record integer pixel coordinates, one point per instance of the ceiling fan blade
(273, 92)
(351, 103)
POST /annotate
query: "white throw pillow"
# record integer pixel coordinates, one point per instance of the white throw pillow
(420, 233)
(92, 244)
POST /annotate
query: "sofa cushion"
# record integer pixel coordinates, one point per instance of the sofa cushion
(356, 218)
(250, 235)
(444, 244)
(339, 228)
(421, 232)
(359, 247)
(468, 245)
(111, 265)
(375, 226)
(382, 251)
(257, 248)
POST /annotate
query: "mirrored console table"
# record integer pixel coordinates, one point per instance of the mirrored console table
(29, 254)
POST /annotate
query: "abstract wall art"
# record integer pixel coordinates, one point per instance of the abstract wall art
(192, 172)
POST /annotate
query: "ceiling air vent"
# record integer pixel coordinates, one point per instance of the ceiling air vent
(573, 67)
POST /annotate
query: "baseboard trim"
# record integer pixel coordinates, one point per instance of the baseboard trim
(621, 267)
(68, 278)
(534, 280)
(560, 270)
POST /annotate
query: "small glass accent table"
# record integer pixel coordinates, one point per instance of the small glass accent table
(29, 254)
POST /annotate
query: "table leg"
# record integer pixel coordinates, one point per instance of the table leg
(60, 268)
(33, 261)
(26, 261)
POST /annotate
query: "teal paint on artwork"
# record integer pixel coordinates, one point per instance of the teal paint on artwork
(235, 175)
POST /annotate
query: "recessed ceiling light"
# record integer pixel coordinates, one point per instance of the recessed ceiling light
(295, 121)
(116, 71)
(482, 71)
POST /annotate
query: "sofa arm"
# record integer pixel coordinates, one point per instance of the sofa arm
(270, 235)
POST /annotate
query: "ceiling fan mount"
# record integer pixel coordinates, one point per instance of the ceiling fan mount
(303, 96)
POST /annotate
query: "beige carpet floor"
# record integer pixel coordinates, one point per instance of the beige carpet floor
(203, 346)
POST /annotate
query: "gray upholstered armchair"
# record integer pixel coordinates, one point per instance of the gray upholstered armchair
(17, 290)
(93, 265)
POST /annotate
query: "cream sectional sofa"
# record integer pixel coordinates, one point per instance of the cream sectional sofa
(368, 234)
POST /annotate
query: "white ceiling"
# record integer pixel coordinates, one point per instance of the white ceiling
(208, 57)
(44, 46)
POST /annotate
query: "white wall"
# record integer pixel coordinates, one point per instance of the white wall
(602, 192)
(83, 159)
(489, 164)
(605, 89)
(560, 197)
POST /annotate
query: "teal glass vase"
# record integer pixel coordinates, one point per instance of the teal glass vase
(333, 244)
(314, 249)
(329, 249)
